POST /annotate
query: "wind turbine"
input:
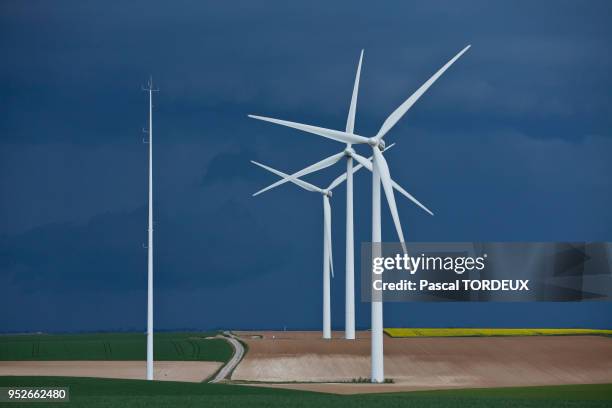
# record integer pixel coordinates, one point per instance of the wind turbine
(350, 154)
(150, 90)
(327, 243)
(380, 174)
(327, 236)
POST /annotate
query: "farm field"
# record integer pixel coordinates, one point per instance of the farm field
(188, 371)
(113, 346)
(468, 332)
(134, 393)
(305, 361)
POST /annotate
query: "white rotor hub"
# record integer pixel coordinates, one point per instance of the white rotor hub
(377, 143)
(349, 152)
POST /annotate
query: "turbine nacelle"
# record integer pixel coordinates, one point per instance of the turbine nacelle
(349, 151)
(375, 142)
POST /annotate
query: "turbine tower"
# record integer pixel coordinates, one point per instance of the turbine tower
(349, 308)
(380, 174)
(150, 90)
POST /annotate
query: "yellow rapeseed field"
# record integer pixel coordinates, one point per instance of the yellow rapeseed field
(463, 332)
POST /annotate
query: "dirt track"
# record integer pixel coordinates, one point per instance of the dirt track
(189, 371)
(425, 363)
(233, 362)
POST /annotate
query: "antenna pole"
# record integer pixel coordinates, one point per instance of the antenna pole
(150, 240)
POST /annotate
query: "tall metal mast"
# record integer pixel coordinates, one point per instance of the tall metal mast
(150, 239)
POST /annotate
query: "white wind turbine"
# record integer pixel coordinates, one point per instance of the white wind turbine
(380, 174)
(327, 236)
(327, 242)
(349, 154)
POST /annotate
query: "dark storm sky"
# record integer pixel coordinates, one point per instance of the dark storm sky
(513, 143)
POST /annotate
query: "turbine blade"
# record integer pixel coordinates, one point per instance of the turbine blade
(385, 178)
(350, 122)
(328, 133)
(410, 197)
(329, 161)
(328, 235)
(339, 180)
(403, 108)
(301, 183)
(363, 161)
(342, 178)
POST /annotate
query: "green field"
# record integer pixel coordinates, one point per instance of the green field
(469, 332)
(95, 393)
(114, 346)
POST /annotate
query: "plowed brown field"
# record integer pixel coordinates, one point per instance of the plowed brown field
(424, 363)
